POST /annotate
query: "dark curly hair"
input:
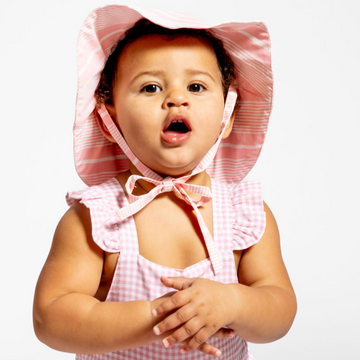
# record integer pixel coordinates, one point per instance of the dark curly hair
(104, 93)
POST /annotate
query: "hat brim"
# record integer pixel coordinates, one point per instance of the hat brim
(97, 159)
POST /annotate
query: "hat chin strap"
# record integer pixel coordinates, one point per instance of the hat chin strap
(178, 185)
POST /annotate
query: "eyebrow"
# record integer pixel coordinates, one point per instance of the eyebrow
(199, 72)
(152, 73)
(161, 72)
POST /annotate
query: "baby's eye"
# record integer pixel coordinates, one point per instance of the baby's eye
(151, 88)
(196, 88)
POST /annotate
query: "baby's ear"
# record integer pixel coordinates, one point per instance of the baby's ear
(229, 126)
(102, 125)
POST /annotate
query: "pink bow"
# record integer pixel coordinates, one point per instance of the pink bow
(178, 185)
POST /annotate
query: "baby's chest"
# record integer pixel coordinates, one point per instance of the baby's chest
(168, 233)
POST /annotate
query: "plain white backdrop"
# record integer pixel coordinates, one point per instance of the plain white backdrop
(309, 165)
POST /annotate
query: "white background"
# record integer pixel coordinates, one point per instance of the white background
(309, 166)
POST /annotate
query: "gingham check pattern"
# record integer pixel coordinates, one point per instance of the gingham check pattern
(239, 222)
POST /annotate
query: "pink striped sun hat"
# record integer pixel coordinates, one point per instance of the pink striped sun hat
(97, 159)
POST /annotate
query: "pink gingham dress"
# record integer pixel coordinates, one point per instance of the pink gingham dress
(238, 223)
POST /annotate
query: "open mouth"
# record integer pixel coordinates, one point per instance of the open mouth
(178, 127)
(177, 130)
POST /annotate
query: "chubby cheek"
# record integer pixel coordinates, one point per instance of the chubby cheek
(133, 124)
(212, 123)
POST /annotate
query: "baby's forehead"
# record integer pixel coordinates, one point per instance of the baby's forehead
(155, 54)
(159, 41)
(159, 52)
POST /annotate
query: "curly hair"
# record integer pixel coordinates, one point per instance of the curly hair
(104, 91)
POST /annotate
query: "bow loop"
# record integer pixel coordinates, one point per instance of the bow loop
(203, 191)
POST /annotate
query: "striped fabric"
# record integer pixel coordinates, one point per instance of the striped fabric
(97, 159)
(238, 223)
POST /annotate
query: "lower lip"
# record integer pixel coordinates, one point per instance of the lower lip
(174, 138)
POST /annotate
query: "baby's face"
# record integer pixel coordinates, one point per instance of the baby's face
(168, 101)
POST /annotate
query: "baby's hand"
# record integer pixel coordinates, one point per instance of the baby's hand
(204, 308)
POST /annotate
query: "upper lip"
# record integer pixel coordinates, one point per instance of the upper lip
(177, 118)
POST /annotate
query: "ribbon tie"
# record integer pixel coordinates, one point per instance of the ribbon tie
(179, 186)
(168, 184)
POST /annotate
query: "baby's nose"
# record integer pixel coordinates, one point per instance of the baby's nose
(177, 97)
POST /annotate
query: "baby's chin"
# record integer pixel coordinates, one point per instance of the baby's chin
(167, 169)
(172, 172)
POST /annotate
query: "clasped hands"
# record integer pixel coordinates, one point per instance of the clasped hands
(200, 309)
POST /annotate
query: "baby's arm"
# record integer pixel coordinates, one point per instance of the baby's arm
(261, 308)
(67, 317)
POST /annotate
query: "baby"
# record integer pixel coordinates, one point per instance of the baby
(167, 251)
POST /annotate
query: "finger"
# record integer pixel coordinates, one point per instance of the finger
(181, 316)
(178, 283)
(199, 339)
(224, 333)
(207, 349)
(176, 301)
(197, 343)
(185, 332)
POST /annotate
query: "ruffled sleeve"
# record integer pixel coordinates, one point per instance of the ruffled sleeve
(103, 202)
(249, 216)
